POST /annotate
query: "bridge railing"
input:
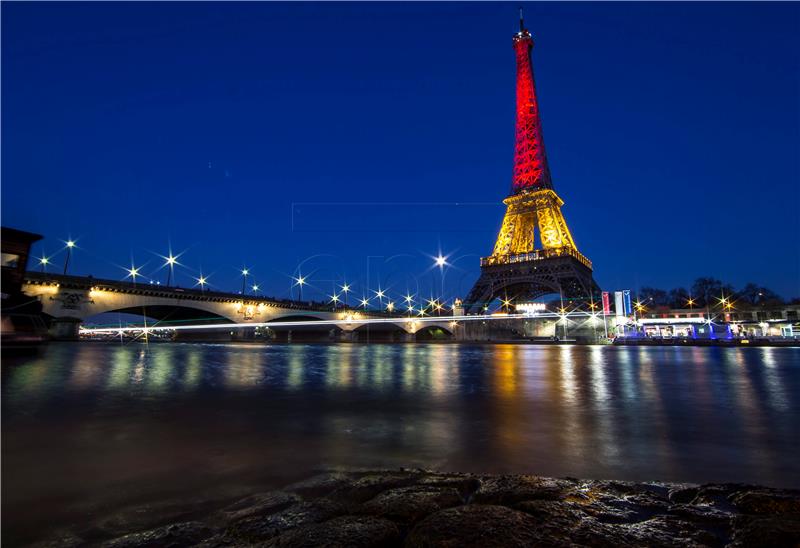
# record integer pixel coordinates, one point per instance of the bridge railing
(536, 255)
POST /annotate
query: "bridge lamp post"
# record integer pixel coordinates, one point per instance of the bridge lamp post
(335, 300)
(390, 307)
(245, 272)
(300, 281)
(44, 261)
(255, 289)
(202, 281)
(132, 273)
(379, 293)
(365, 303)
(441, 262)
(70, 245)
(345, 289)
(171, 262)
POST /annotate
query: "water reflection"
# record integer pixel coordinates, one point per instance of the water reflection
(240, 411)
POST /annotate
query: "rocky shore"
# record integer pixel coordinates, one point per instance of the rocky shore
(416, 508)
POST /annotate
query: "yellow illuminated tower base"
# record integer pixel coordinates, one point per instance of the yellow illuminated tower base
(519, 268)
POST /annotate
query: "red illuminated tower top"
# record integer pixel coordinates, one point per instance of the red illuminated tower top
(531, 171)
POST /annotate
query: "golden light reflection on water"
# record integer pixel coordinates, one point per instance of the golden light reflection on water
(550, 409)
(88, 370)
(193, 371)
(121, 367)
(244, 368)
(294, 377)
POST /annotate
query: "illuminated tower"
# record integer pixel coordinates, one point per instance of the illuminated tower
(519, 268)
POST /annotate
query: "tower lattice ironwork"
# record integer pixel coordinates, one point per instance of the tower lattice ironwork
(518, 268)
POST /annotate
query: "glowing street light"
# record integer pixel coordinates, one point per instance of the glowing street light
(132, 273)
(365, 303)
(201, 281)
(390, 306)
(345, 289)
(441, 261)
(335, 299)
(70, 244)
(171, 261)
(245, 273)
(379, 293)
(44, 261)
(255, 288)
(300, 281)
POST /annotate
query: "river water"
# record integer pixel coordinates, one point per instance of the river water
(88, 425)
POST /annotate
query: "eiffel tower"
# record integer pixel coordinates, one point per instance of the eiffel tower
(518, 269)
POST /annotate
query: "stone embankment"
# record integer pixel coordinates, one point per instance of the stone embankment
(415, 508)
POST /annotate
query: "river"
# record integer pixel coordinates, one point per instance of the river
(88, 426)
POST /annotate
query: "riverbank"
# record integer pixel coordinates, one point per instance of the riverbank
(418, 508)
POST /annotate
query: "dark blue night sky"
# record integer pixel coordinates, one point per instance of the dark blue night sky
(375, 135)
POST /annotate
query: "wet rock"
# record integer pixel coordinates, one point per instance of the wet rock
(319, 485)
(258, 505)
(774, 531)
(702, 513)
(259, 528)
(189, 533)
(478, 525)
(682, 494)
(662, 531)
(371, 485)
(511, 489)
(718, 495)
(410, 504)
(762, 501)
(466, 485)
(351, 531)
(423, 508)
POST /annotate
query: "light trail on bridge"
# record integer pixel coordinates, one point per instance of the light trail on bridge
(347, 321)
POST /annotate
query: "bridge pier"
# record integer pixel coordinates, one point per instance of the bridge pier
(65, 329)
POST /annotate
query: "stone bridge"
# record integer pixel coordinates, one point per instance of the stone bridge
(70, 300)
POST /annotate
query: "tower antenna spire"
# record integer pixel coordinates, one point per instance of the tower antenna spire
(521, 21)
